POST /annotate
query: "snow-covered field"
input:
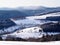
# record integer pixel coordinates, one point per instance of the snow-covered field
(43, 16)
(26, 21)
(33, 19)
(29, 43)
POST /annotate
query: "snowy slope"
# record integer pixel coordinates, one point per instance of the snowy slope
(9, 30)
(33, 32)
(44, 16)
(32, 20)
(26, 21)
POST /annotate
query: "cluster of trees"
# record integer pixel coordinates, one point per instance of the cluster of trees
(51, 27)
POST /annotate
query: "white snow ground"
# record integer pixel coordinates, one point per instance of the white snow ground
(28, 43)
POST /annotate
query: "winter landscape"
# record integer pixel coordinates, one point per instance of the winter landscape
(32, 25)
(29, 22)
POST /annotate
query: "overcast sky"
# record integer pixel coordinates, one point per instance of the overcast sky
(18, 3)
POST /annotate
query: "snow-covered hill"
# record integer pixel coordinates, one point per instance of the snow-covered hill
(9, 30)
(44, 16)
(33, 32)
(33, 20)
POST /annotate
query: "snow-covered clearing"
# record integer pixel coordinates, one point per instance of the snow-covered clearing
(29, 43)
